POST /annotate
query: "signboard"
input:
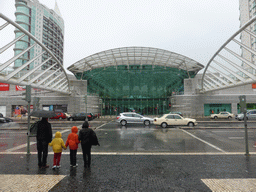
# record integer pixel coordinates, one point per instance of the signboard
(20, 88)
(4, 87)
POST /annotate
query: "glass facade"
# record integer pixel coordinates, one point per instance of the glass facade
(23, 18)
(48, 28)
(141, 88)
(52, 39)
(216, 108)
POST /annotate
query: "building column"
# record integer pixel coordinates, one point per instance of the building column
(234, 108)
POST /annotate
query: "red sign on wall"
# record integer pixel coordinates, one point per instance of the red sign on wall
(4, 87)
(20, 88)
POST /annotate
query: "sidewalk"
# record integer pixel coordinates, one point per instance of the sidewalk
(131, 173)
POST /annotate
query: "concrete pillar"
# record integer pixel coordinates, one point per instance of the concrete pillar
(234, 108)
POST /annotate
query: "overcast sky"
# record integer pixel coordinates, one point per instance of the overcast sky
(193, 28)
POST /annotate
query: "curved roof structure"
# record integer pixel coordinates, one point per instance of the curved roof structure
(135, 56)
(234, 63)
(53, 77)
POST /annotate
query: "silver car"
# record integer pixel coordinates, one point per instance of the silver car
(251, 114)
(131, 117)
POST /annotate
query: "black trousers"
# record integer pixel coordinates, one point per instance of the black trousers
(73, 157)
(42, 152)
(87, 154)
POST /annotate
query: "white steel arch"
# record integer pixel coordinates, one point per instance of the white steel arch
(234, 64)
(53, 76)
(135, 56)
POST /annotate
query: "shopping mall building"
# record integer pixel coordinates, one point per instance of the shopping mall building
(146, 80)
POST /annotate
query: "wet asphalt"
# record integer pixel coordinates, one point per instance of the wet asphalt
(138, 158)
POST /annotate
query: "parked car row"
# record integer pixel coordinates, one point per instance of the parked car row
(250, 114)
(5, 120)
(170, 119)
(75, 116)
(81, 117)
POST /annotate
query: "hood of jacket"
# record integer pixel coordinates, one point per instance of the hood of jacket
(85, 124)
(74, 129)
(57, 134)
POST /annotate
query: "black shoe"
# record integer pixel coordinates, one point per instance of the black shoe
(45, 166)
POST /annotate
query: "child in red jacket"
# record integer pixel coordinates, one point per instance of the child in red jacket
(72, 142)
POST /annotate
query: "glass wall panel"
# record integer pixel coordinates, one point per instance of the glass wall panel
(141, 88)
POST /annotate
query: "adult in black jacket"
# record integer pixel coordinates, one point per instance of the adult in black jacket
(43, 137)
(88, 138)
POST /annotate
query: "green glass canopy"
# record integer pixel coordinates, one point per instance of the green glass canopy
(136, 78)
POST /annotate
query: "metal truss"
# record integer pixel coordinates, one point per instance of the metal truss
(234, 63)
(130, 56)
(47, 75)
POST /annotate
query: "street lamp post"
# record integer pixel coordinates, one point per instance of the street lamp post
(243, 109)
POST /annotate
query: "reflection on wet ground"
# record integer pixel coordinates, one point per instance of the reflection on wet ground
(148, 139)
(140, 138)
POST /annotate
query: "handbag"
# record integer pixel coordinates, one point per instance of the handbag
(94, 139)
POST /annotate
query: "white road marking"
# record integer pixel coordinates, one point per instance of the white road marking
(103, 125)
(13, 132)
(4, 138)
(134, 153)
(19, 147)
(31, 143)
(236, 137)
(222, 131)
(215, 147)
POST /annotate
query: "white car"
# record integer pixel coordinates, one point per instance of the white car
(131, 117)
(67, 115)
(222, 115)
(174, 120)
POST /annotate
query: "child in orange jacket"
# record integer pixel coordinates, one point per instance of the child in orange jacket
(57, 145)
(72, 142)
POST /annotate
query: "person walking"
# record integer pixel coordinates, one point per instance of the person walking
(72, 142)
(43, 137)
(88, 138)
(57, 145)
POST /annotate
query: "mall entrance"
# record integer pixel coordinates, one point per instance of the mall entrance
(141, 106)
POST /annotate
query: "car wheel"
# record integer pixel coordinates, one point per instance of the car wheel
(164, 125)
(215, 117)
(71, 119)
(147, 123)
(191, 124)
(229, 117)
(123, 122)
(60, 118)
